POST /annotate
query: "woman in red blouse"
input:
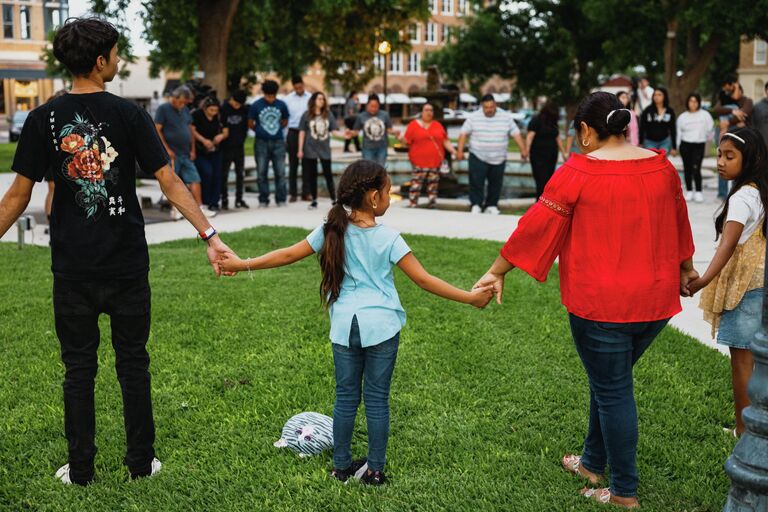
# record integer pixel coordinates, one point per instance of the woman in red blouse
(427, 143)
(616, 218)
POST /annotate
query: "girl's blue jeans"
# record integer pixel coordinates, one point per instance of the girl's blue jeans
(366, 371)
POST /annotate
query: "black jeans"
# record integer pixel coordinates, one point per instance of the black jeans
(479, 172)
(234, 155)
(349, 122)
(692, 154)
(292, 141)
(543, 164)
(77, 306)
(309, 165)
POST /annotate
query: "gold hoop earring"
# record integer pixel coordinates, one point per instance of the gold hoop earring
(585, 143)
(374, 206)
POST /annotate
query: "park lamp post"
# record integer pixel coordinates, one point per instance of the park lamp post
(748, 464)
(384, 49)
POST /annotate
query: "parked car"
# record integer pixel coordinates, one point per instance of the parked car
(17, 123)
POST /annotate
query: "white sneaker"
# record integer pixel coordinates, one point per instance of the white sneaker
(698, 197)
(156, 466)
(492, 210)
(689, 195)
(208, 212)
(63, 474)
(476, 209)
(176, 214)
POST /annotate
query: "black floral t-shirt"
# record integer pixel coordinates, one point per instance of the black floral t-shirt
(92, 142)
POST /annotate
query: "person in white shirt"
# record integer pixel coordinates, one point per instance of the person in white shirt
(490, 129)
(297, 102)
(694, 127)
(644, 94)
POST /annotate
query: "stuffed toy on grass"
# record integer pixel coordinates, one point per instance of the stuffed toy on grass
(307, 433)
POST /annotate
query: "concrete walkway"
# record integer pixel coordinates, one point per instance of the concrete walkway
(451, 224)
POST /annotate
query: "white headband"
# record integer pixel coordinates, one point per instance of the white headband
(607, 119)
(734, 136)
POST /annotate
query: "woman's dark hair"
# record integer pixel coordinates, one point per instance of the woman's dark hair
(695, 96)
(666, 96)
(209, 102)
(594, 111)
(549, 115)
(269, 87)
(629, 98)
(80, 42)
(360, 177)
(754, 170)
(313, 101)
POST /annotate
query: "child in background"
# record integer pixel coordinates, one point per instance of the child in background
(356, 257)
(733, 298)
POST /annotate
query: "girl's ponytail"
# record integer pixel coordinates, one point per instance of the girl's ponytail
(358, 178)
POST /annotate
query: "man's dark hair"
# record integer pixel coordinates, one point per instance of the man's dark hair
(239, 96)
(269, 87)
(730, 78)
(487, 97)
(80, 41)
(374, 97)
(297, 80)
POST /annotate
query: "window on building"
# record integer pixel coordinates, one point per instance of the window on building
(447, 34)
(447, 7)
(396, 62)
(414, 63)
(463, 4)
(378, 61)
(7, 21)
(26, 33)
(760, 51)
(413, 32)
(431, 36)
(433, 6)
(759, 89)
(55, 13)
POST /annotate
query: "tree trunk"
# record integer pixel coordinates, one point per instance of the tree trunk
(214, 24)
(695, 69)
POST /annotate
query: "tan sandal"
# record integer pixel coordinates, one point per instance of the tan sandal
(572, 463)
(603, 496)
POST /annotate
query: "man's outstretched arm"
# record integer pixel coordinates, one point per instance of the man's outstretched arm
(14, 202)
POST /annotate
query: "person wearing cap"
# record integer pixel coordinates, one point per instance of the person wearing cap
(617, 219)
(234, 117)
(297, 102)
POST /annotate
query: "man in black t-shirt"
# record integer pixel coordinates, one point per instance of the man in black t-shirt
(234, 116)
(92, 141)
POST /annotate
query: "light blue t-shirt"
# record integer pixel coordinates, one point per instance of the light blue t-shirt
(368, 289)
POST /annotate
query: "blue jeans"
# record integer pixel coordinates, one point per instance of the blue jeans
(209, 167)
(665, 144)
(608, 352)
(479, 172)
(186, 170)
(375, 364)
(267, 151)
(378, 155)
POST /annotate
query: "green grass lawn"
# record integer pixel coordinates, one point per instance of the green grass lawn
(484, 403)
(7, 150)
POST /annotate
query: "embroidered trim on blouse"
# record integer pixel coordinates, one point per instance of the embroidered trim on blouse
(555, 206)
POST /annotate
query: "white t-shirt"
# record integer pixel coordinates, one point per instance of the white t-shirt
(489, 136)
(694, 127)
(745, 207)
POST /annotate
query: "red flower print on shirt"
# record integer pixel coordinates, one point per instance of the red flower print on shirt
(86, 164)
(71, 143)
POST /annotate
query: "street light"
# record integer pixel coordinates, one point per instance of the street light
(748, 465)
(385, 49)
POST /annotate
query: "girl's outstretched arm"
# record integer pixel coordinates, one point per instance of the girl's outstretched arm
(731, 234)
(479, 297)
(277, 258)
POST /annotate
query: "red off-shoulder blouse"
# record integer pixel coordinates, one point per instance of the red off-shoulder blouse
(621, 231)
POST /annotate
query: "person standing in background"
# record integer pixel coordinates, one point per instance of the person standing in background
(351, 109)
(543, 139)
(154, 104)
(634, 129)
(693, 128)
(267, 117)
(209, 134)
(760, 116)
(297, 103)
(657, 124)
(644, 94)
(376, 125)
(234, 117)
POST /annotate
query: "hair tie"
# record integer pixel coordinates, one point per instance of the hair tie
(608, 119)
(734, 136)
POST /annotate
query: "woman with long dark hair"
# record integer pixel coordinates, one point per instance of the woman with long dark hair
(657, 124)
(544, 142)
(209, 133)
(633, 130)
(693, 127)
(616, 219)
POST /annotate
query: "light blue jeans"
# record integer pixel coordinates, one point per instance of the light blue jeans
(267, 151)
(368, 370)
(378, 155)
(665, 144)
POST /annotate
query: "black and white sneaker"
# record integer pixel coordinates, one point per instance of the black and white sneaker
(313, 205)
(374, 478)
(356, 470)
(241, 204)
(156, 466)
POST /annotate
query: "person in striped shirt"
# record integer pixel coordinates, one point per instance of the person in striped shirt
(489, 129)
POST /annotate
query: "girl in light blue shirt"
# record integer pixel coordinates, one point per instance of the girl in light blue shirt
(356, 258)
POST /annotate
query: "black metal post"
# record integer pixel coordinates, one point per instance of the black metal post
(386, 63)
(748, 464)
